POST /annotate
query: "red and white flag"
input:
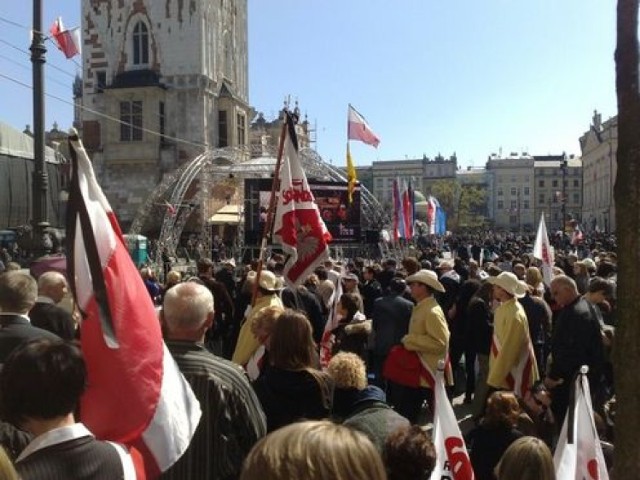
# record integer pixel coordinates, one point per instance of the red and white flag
(578, 454)
(542, 250)
(358, 129)
(452, 458)
(333, 319)
(136, 394)
(298, 226)
(67, 41)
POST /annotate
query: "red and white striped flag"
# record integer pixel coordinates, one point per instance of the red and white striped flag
(136, 394)
(578, 453)
(452, 458)
(358, 129)
(67, 41)
(298, 226)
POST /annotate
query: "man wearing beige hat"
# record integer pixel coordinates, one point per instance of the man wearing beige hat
(428, 336)
(268, 289)
(512, 363)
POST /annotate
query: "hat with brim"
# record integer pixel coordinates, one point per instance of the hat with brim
(268, 280)
(230, 261)
(510, 284)
(426, 277)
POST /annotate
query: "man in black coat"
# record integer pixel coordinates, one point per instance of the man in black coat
(370, 290)
(576, 340)
(46, 314)
(390, 322)
(18, 293)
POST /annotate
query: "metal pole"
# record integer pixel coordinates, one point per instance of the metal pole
(40, 180)
(563, 166)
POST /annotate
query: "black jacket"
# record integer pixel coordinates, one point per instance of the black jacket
(15, 330)
(391, 315)
(54, 319)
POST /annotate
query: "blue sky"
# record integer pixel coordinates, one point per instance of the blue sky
(430, 76)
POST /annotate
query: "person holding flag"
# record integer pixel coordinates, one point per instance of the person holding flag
(357, 129)
(135, 392)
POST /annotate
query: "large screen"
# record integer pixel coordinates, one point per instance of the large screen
(341, 218)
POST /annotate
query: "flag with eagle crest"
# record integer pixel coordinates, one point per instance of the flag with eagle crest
(298, 226)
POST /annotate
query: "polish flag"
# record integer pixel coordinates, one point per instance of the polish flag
(578, 453)
(67, 41)
(328, 338)
(542, 250)
(358, 129)
(136, 394)
(452, 458)
(298, 226)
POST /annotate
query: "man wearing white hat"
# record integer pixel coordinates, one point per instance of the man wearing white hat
(429, 337)
(268, 289)
(512, 363)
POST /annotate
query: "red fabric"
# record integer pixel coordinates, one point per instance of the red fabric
(405, 368)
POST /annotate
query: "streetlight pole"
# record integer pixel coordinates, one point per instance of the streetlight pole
(40, 179)
(563, 205)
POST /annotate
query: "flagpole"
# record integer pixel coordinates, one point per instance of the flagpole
(270, 212)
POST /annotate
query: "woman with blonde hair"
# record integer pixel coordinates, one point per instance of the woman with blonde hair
(7, 472)
(533, 278)
(291, 388)
(262, 327)
(314, 450)
(528, 458)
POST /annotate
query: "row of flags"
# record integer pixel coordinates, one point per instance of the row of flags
(404, 212)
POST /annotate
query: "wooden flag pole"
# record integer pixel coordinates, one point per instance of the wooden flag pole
(270, 212)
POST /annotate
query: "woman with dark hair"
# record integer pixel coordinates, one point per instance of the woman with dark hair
(353, 330)
(409, 453)
(497, 430)
(292, 388)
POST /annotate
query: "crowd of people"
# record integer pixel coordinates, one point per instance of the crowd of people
(311, 381)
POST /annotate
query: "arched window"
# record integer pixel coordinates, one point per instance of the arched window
(140, 44)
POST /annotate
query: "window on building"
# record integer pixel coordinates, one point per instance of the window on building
(500, 204)
(131, 121)
(555, 198)
(500, 192)
(513, 219)
(514, 204)
(541, 199)
(576, 183)
(554, 183)
(101, 81)
(242, 129)
(514, 191)
(541, 183)
(565, 183)
(140, 44)
(525, 204)
(526, 191)
(576, 198)
(223, 130)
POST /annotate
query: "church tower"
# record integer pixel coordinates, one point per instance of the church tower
(162, 82)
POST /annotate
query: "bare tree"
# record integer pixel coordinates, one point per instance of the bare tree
(627, 198)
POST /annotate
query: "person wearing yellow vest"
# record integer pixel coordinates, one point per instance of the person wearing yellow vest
(428, 336)
(268, 289)
(512, 362)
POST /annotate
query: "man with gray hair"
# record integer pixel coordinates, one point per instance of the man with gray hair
(232, 418)
(18, 292)
(575, 341)
(46, 314)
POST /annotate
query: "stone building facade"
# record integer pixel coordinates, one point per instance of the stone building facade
(599, 147)
(558, 183)
(162, 82)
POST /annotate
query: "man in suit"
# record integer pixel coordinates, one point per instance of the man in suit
(42, 382)
(390, 322)
(18, 292)
(46, 314)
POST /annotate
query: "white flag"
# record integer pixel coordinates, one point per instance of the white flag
(452, 458)
(542, 250)
(578, 454)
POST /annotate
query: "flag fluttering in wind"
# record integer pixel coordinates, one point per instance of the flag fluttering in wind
(328, 337)
(436, 217)
(399, 219)
(136, 394)
(67, 41)
(298, 226)
(452, 458)
(351, 174)
(358, 129)
(542, 250)
(578, 453)
(408, 206)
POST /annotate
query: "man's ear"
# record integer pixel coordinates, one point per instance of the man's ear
(209, 321)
